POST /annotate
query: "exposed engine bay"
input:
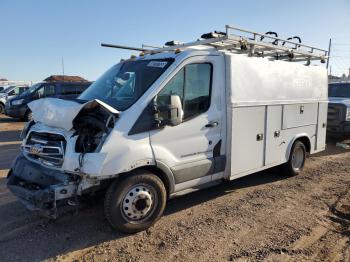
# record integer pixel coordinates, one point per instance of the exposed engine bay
(92, 125)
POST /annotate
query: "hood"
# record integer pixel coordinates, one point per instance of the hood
(340, 100)
(60, 113)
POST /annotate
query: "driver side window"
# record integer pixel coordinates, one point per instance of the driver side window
(45, 91)
(193, 85)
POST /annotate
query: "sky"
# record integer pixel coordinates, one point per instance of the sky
(36, 35)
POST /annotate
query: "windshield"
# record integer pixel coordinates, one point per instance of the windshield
(123, 84)
(31, 89)
(339, 90)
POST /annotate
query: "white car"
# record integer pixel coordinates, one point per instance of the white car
(8, 93)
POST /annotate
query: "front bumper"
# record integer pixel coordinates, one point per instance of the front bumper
(342, 128)
(16, 111)
(40, 188)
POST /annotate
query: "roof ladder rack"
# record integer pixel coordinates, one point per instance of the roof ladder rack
(239, 40)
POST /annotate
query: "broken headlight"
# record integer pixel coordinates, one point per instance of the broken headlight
(347, 118)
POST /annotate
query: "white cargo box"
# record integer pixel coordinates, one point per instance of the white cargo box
(269, 102)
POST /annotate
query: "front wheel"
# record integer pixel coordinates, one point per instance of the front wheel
(28, 116)
(136, 202)
(296, 161)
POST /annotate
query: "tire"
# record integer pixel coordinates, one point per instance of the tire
(296, 161)
(135, 202)
(28, 116)
(2, 108)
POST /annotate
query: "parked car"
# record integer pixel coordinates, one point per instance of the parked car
(338, 122)
(18, 107)
(8, 93)
(172, 121)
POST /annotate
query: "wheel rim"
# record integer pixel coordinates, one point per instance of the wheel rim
(2, 109)
(298, 158)
(139, 203)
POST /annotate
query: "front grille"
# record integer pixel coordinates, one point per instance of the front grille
(45, 148)
(336, 113)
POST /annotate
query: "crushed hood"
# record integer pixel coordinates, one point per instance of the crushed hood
(340, 100)
(60, 113)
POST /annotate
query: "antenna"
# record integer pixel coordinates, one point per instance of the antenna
(329, 51)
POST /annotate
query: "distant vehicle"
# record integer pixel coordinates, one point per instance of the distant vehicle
(8, 93)
(339, 109)
(18, 107)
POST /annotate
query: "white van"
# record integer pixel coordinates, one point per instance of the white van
(174, 120)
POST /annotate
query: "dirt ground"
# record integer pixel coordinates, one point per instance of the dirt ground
(265, 216)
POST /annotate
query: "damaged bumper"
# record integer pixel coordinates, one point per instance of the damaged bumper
(40, 188)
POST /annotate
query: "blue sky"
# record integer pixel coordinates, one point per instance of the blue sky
(35, 35)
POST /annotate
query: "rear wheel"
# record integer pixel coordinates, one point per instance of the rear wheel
(2, 108)
(136, 202)
(296, 161)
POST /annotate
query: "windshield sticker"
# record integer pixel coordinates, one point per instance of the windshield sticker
(159, 64)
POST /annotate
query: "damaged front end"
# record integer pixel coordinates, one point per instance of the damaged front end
(49, 172)
(41, 188)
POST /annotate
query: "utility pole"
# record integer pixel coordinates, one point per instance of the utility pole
(63, 67)
(329, 51)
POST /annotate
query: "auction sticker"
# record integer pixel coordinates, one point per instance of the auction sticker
(159, 64)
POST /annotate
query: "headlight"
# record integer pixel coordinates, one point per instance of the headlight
(347, 114)
(17, 102)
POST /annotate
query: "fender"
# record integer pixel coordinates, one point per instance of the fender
(169, 175)
(301, 135)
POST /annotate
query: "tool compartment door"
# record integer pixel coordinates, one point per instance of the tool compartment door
(322, 125)
(274, 141)
(297, 115)
(248, 135)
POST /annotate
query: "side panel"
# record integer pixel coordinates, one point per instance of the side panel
(274, 138)
(321, 126)
(247, 152)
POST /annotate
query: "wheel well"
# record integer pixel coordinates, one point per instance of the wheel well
(159, 173)
(306, 141)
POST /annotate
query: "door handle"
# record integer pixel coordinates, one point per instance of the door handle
(212, 124)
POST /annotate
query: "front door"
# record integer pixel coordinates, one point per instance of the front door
(190, 148)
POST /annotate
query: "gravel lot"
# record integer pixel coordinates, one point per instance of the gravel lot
(265, 216)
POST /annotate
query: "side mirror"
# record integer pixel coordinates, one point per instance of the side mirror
(171, 114)
(176, 112)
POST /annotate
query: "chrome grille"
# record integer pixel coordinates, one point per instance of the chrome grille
(45, 148)
(336, 113)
